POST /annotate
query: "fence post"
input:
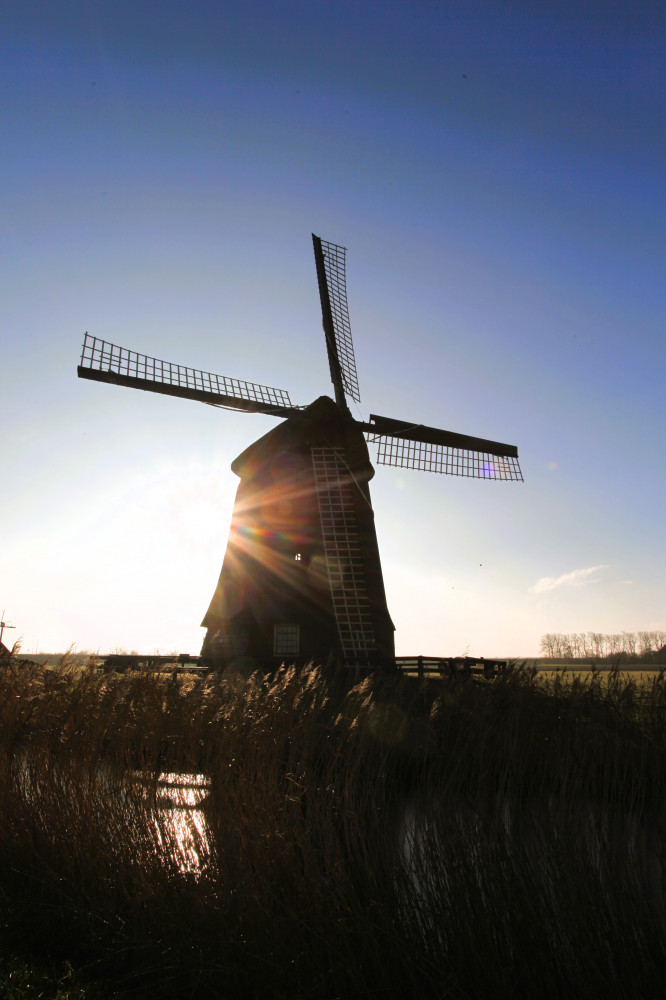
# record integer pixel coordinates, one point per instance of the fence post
(419, 665)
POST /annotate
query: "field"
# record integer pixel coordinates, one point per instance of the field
(302, 836)
(637, 674)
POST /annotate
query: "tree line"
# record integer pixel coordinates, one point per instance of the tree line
(597, 645)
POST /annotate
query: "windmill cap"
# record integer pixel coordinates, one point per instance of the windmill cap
(321, 424)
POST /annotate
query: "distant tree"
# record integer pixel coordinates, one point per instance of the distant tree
(568, 645)
(629, 643)
(584, 646)
(547, 645)
(597, 641)
(614, 644)
(580, 645)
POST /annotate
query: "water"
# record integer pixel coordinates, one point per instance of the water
(546, 846)
(180, 821)
(173, 802)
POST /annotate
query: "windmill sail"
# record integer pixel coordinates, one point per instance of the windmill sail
(344, 555)
(429, 449)
(331, 275)
(105, 362)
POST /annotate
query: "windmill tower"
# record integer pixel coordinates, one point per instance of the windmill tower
(301, 578)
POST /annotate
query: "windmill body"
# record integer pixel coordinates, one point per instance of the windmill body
(301, 578)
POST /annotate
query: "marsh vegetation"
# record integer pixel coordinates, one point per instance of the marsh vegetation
(301, 836)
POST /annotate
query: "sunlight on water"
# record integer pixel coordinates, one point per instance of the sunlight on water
(181, 825)
(173, 804)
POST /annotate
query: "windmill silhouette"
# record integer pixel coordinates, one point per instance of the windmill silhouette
(301, 578)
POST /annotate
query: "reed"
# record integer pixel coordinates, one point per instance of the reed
(433, 838)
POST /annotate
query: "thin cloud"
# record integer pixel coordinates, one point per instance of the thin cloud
(577, 578)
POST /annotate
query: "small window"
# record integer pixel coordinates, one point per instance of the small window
(297, 557)
(286, 640)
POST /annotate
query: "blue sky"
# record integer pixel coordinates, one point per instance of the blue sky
(496, 171)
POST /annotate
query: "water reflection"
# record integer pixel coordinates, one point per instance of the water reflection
(181, 824)
(548, 848)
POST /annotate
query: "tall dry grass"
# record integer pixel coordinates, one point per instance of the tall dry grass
(396, 837)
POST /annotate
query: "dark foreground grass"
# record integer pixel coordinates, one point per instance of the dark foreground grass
(395, 838)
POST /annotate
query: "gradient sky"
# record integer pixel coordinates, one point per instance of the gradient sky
(497, 173)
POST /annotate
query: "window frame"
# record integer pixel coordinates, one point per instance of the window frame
(282, 633)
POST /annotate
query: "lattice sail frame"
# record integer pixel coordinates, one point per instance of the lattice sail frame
(447, 460)
(101, 356)
(344, 558)
(335, 262)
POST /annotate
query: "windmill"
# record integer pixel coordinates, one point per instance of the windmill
(301, 577)
(4, 651)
